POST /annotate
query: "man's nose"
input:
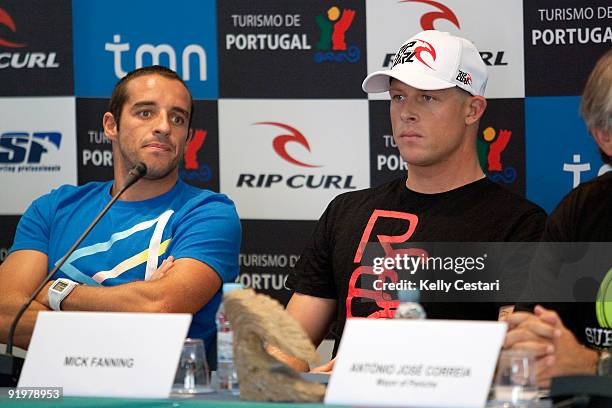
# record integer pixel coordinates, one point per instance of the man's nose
(408, 114)
(162, 125)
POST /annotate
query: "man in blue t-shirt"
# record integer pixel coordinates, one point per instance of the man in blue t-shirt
(164, 246)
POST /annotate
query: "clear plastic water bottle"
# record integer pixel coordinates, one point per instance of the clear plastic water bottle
(226, 370)
(409, 307)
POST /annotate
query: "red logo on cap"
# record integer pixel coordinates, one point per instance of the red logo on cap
(7, 20)
(427, 20)
(430, 50)
(281, 141)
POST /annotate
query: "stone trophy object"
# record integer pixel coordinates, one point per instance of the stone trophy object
(259, 321)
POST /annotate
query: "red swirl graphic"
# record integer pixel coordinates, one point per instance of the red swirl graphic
(281, 141)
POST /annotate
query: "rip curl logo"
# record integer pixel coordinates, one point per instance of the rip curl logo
(491, 145)
(386, 304)
(333, 25)
(413, 49)
(280, 143)
(7, 21)
(464, 77)
(443, 13)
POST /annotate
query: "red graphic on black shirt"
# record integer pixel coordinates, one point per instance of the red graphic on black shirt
(383, 300)
(427, 19)
(281, 141)
(192, 149)
(7, 20)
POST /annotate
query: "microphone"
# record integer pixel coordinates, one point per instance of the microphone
(135, 174)
(10, 365)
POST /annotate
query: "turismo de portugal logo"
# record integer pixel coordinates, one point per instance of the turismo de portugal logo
(332, 44)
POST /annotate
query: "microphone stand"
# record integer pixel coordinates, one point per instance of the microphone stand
(10, 365)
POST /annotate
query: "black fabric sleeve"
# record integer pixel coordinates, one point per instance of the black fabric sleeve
(524, 238)
(313, 273)
(542, 278)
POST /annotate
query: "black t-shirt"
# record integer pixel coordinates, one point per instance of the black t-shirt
(330, 266)
(584, 215)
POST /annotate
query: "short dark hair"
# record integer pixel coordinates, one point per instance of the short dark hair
(119, 95)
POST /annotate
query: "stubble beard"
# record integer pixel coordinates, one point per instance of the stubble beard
(154, 171)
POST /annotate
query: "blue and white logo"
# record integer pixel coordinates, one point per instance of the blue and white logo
(116, 37)
(23, 147)
(560, 153)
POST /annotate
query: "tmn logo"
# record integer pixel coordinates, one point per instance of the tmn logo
(491, 145)
(333, 25)
(23, 147)
(149, 54)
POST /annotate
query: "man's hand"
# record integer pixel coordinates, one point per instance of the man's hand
(20, 273)
(163, 269)
(555, 348)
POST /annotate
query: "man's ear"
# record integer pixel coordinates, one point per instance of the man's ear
(189, 135)
(110, 126)
(603, 139)
(476, 106)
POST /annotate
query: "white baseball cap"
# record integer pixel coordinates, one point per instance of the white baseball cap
(432, 60)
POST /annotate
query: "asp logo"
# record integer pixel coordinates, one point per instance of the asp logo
(192, 168)
(23, 152)
(491, 145)
(280, 143)
(443, 13)
(333, 25)
(7, 21)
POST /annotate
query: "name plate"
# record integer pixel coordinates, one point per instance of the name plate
(415, 363)
(105, 354)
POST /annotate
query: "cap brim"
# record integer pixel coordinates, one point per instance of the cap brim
(379, 81)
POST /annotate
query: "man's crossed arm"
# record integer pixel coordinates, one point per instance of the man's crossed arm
(179, 286)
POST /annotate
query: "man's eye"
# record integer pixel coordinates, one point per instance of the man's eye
(144, 114)
(427, 98)
(397, 98)
(178, 120)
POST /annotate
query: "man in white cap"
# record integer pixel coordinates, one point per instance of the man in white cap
(436, 83)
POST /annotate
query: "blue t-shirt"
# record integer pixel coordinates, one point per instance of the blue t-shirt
(134, 237)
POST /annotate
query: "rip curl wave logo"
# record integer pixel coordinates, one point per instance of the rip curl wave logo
(280, 143)
(413, 49)
(7, 21)
(491, 145)
(443, 13)
(332, 46)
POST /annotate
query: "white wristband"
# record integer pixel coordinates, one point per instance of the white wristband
(58, 292)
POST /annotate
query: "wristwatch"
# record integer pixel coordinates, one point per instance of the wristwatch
(604, 363)
(58, 292)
